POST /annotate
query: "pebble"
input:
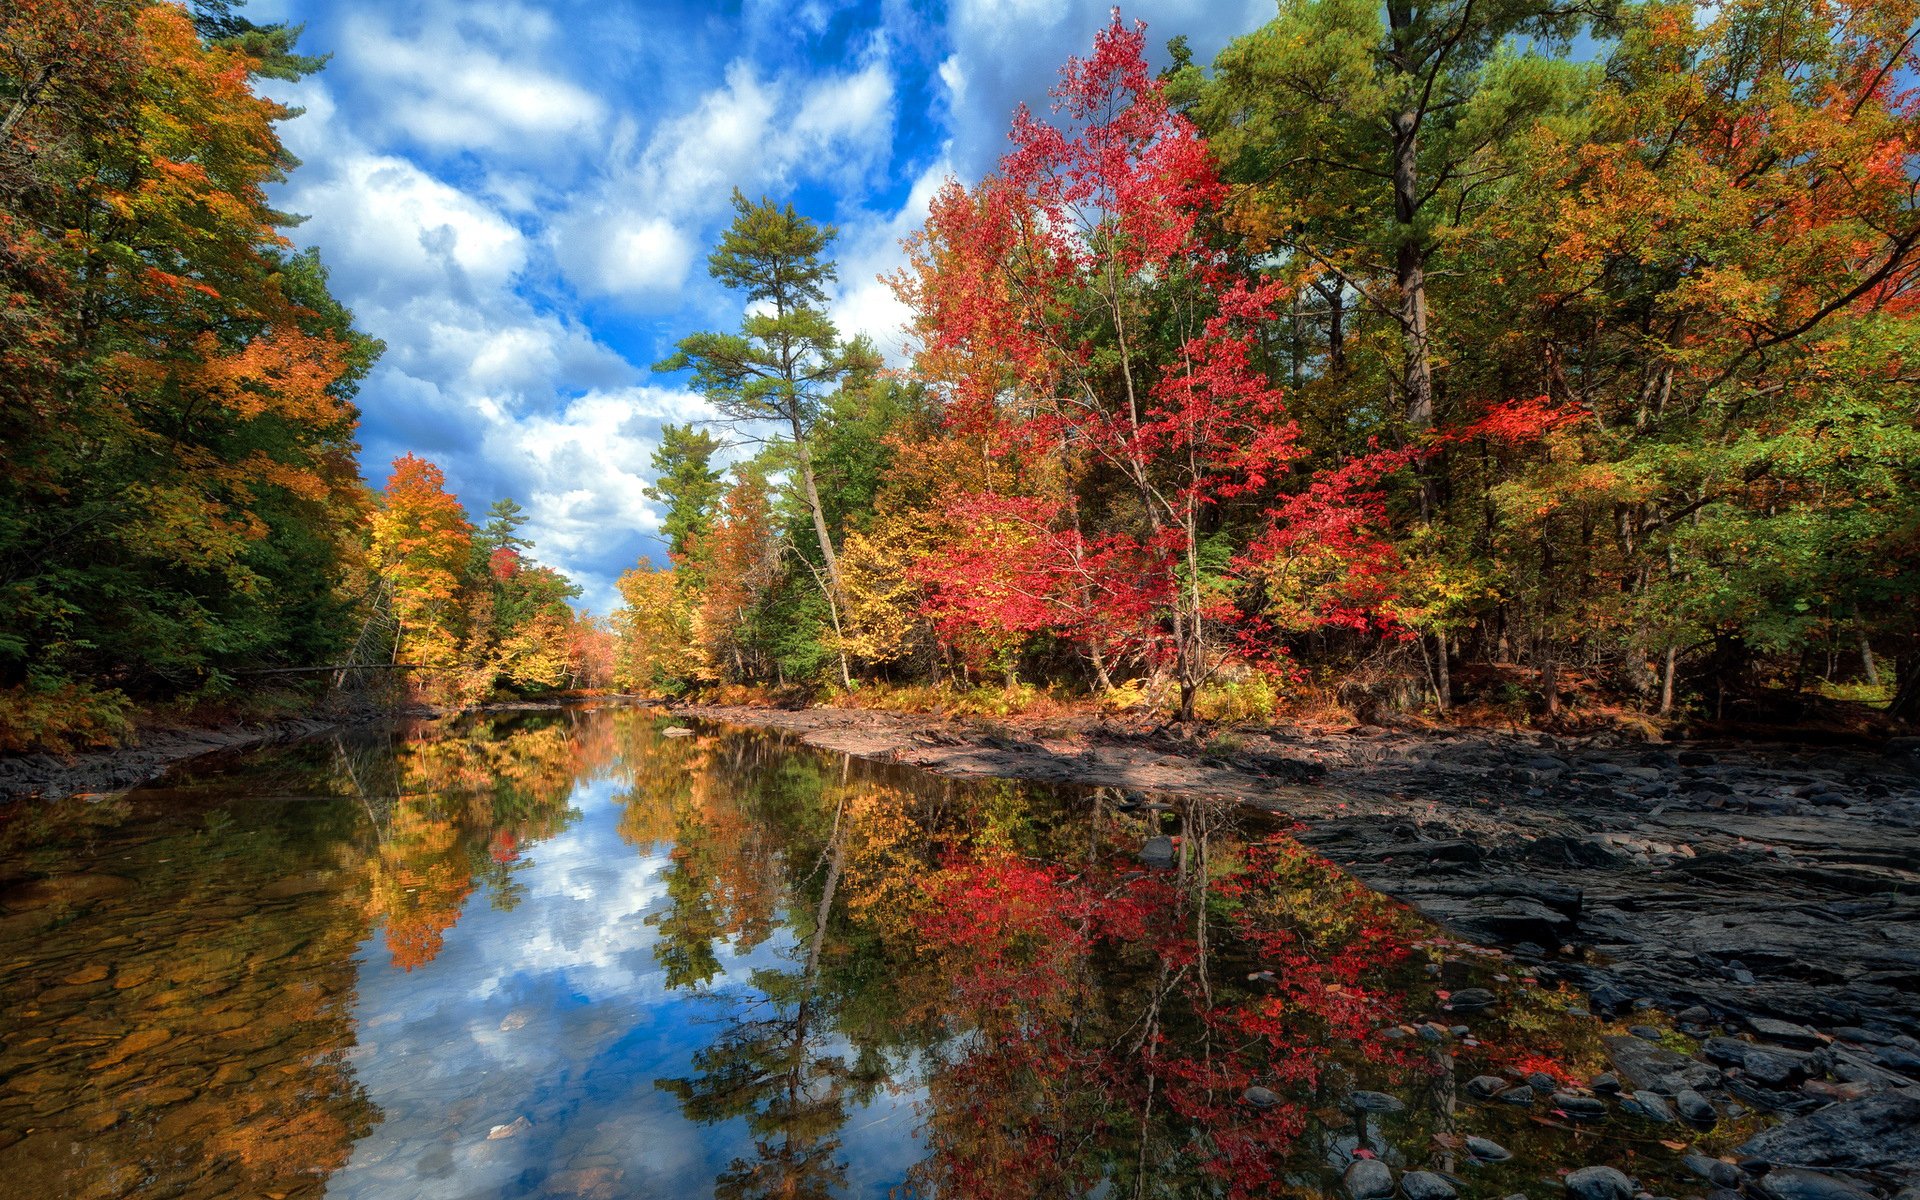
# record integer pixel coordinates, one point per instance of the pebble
(1599, 1183)
(1426, 1185)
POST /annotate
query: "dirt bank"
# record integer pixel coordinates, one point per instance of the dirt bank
(1749, 880)
(157, 749)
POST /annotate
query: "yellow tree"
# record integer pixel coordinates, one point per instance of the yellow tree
(423, 545)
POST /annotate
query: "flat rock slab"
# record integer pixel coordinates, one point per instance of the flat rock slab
(1878, 1134)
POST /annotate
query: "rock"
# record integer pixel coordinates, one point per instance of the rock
(1643, 1064)
(138, 1042)
(1580, 1108)
(1726, 1051)
(1652, 1107)
(1486, 1087)
(1645, 1032)
(1605, 1084)
(1486, 1150)
(1793, 1183)
(1878, 1133)
(1367, 1179)
(1694, 1107)
(676, 731)
(1425, 1185)
(1158, 852)
(1376, 1102)
(519, 1126)
(1470, 1000)
(1599, 1183)
(1785, 1032)
(1522, 1095)
(1772, 1070)
(1260, 1097)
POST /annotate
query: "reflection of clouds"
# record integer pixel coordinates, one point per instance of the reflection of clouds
(558, 1012)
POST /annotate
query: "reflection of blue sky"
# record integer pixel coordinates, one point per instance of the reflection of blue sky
(558, 1013)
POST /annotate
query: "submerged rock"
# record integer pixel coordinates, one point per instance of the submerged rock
(1367, 1179)
(1376, 1102)
(1426, 1185)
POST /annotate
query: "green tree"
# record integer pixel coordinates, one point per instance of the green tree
(787, 358)
(502, 530)
(687, 483)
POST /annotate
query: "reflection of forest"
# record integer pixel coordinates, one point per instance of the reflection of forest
(456, 811)
(1070, 1017)
(1062, 1017)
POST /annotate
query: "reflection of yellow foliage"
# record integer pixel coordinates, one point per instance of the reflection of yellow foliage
(886, 866)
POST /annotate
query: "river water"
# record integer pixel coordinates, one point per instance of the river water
(574, 954)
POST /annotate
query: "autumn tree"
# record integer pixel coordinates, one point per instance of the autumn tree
(422, 545)
(178, 495)
(1091, 323)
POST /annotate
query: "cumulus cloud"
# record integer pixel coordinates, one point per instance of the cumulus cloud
(517, 199)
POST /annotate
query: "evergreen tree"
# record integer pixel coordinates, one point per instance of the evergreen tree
(687, 483)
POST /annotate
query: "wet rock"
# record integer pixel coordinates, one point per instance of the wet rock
(1367, 1179)
(1879, 1133)
(1599, 1183)
(1694, 1107)
(1486, 1087)
(1426, 1185)
(1580, 1108)
(1376, 1102)
(1470, 1000)
(1261, 1097)
(1792, 1183)
(1487, 1150)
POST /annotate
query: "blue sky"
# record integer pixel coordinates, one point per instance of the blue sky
(518, 199)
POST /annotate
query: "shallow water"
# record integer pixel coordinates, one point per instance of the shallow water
(569, 955)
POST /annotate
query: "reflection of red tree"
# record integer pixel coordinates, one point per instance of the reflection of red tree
(1052, 1063)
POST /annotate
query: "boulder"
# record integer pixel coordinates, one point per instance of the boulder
(1368, 1179)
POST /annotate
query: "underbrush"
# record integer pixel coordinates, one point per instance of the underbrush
(62, 718)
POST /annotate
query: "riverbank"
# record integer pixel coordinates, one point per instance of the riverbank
(1747, 880)
(158, 747)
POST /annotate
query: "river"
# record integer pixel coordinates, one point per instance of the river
(590, 953)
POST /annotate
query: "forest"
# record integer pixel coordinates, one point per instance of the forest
(1501, 360)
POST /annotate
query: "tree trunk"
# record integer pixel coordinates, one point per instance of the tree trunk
(1666, 680)
(1410, 274)
(1442, 678)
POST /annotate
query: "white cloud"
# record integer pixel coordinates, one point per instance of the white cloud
(629, 238)
(468, 79)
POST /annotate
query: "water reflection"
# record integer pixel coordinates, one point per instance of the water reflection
(567, 955)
